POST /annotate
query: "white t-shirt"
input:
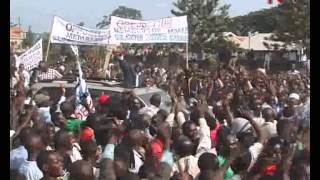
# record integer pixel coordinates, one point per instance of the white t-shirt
(270, 129)
(255, 150)
(26, 76)
(76, 155)
(137, 162)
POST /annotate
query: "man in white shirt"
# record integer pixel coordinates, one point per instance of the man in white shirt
(47, 73)
(267, 60)
(155, 102)
(23, 73)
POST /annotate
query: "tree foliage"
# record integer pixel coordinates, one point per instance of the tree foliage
(290, 22)
(29, 41)
(121, 11)
(294, 23)
(207, 21)
(263, 21)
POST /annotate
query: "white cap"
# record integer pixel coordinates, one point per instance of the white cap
(62, 68)
(294, 96)
(261, 70)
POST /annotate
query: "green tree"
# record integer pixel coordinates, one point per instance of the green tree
(294, 23)
(121, 11)
(206, 20)
(263, 21)
(29, 41)
(290, 23)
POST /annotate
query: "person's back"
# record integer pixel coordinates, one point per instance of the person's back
(19, 154)
(29, 168)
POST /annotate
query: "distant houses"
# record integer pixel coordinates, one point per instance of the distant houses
(260, 43)
(17, 35)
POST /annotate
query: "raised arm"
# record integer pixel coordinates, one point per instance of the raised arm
(106, 165)
(205, 140)
(257, 128)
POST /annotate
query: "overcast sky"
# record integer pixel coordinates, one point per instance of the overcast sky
(39, 13)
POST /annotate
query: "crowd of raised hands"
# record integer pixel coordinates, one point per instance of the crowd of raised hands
(232, 123)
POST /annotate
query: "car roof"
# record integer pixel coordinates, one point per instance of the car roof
(100, 85)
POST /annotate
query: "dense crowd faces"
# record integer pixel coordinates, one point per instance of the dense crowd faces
(233, 123)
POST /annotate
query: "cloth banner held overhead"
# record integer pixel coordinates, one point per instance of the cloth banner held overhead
(31, 57)
(64, 32)
(82, 92)
(166, 30)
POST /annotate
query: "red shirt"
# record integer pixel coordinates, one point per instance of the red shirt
(214, 133)
(157, 148)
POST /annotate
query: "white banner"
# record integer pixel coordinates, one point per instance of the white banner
(31, 57)
(64, 32)
(166, 30)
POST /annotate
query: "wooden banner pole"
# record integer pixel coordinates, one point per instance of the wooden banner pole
(49, 42)
(187, 57)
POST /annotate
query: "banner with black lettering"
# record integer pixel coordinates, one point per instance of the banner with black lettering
(31, 58)
(165, 30)
(64, 32)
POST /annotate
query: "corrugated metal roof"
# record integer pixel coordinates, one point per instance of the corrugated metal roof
(256, 42)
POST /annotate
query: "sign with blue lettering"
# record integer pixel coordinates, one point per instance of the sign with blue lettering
(166, 30)
(64, 32)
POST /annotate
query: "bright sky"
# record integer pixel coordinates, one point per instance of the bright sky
(39, 14)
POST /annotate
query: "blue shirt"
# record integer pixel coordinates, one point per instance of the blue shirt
(17, 157)
(30, 170)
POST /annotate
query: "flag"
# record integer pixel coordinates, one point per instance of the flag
(82, 93)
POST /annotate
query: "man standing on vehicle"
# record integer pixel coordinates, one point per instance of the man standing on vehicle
(133, 75)
(47, 73)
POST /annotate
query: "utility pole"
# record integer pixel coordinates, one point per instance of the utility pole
(19, 25)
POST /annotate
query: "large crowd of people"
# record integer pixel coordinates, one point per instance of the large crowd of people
(233, 123)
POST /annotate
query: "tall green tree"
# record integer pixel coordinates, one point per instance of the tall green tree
(207, 21)
(29, 41)
(121, 11)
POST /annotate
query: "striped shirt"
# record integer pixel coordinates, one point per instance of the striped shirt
(51, 74)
